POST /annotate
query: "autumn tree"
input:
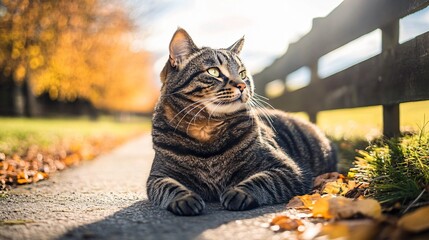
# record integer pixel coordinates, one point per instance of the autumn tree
(72, 49)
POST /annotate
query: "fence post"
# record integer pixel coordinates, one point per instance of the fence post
(389, 40)
(312, 115)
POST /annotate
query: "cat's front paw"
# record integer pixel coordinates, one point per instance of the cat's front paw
(187, 205)
(237, 200)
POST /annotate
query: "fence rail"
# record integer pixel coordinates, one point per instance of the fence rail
(400, 73)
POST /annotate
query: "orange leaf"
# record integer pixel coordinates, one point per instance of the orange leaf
(309, 200)
(341, 208)
(321, 207)
(286, 223)
(416, 221)
(295, 202)
(22, 181)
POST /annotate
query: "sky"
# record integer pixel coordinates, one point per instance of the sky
(269, 26)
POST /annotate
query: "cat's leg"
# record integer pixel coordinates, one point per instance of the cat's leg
(267, 187)
(169, 194)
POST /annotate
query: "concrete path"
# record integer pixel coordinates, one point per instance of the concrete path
(106, 199)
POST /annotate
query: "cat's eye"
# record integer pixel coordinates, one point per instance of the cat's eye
(243, 74)
(214, 72)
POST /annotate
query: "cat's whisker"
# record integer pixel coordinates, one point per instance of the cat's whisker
(263, 101)
(201, 102)
(252, 113)
(191, 105)
(194, 118)
(254, 109)
(260, 96)
(262, 104)
(214, 109)
(261, 108)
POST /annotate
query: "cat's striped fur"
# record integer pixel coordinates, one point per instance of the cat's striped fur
(213, 142)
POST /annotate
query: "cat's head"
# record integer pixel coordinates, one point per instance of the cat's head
(214, 80)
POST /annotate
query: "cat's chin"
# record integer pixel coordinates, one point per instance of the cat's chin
(225, 109)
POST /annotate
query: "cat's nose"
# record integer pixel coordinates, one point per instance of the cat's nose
(241, 86)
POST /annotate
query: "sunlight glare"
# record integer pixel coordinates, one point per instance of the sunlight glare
(413, 25)
(354, 52)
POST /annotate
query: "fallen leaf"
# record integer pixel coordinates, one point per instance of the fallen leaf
(296, 203)
(309, 200)
(416, 221)
(342, 208)
(321, 207)
(320, 181)
(335, 231)
(350, 229)
(286, 223)
(22, 178)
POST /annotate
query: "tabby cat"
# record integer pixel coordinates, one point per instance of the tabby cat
(213, 140)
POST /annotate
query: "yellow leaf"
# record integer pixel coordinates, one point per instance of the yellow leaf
(309, 200)
(332, 188)
(286, 223)
(416, 221)
(22, 181)
(295, 202)
(350, 229)
(321, 207)
(351, 184)
(342, 207)
(336, 231)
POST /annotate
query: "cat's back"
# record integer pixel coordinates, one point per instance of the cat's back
(300, 139)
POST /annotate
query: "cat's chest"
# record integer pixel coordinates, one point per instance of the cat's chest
(204, 131)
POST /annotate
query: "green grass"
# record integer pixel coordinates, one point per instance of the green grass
(367, 122)
(17, 134)
(355, 128)
(397, 170)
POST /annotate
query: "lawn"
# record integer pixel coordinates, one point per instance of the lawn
(17, 134)
(356, 128)
(366, 123)
(31, 149)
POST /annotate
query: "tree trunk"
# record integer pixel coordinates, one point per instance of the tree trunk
(9, 99)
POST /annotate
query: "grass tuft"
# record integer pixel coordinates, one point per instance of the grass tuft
(397, 170)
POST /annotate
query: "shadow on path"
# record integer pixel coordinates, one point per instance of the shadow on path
(144, 221)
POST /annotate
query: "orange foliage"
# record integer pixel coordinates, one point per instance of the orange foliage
(75, 49)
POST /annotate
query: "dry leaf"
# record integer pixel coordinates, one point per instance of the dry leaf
(416, 221)
(350, 229)
(320, 181)
(296, 203)
(332, 187)
(335, 231)
(341, 208)
(321, 207)
(341, 186)
(309, 200)
(286, 223)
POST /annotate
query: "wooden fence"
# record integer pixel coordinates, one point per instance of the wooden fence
(399, 74)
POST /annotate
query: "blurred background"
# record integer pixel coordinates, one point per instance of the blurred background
(103, 57)
(66, 63)
(91, 56)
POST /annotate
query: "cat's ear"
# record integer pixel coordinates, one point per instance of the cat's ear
(181, 47)
(237, 46)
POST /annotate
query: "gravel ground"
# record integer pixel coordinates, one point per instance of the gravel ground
(105, 199)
